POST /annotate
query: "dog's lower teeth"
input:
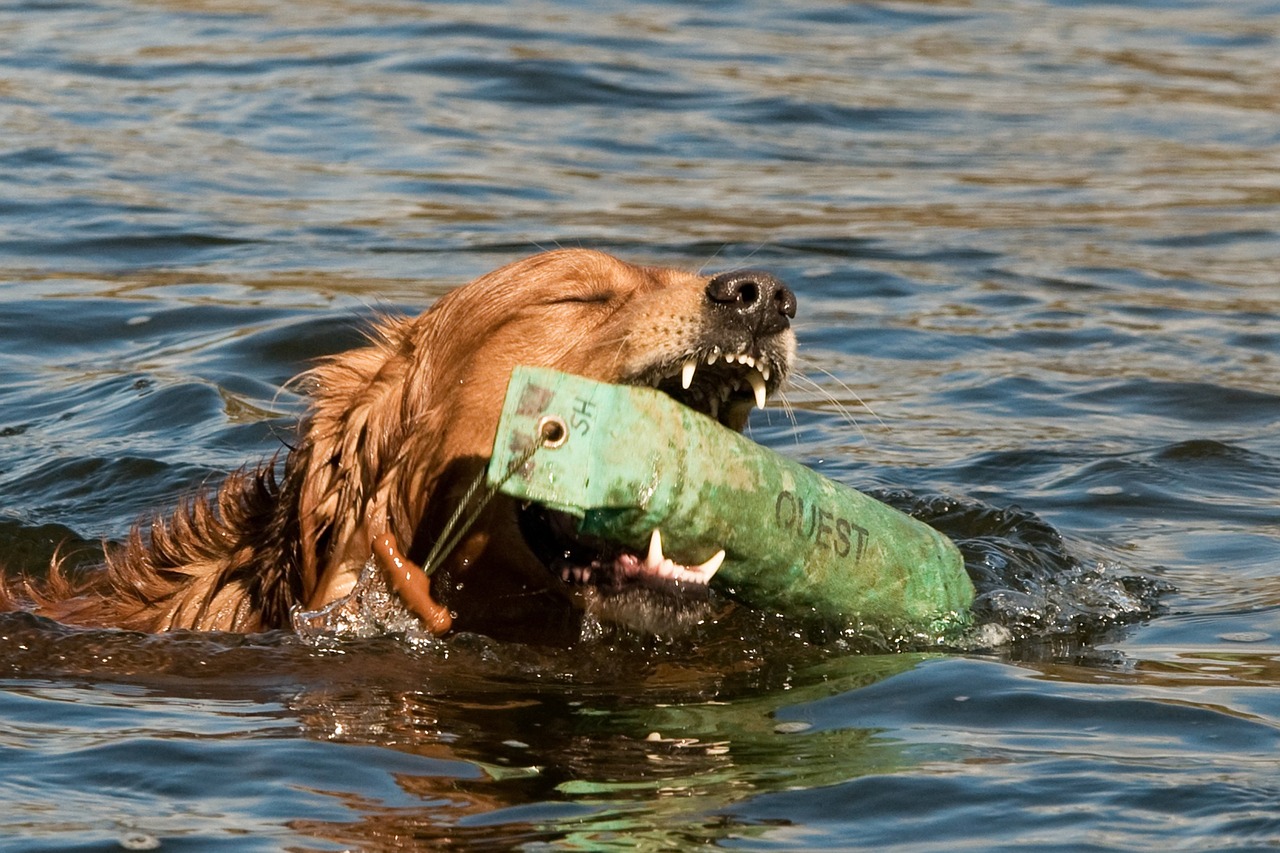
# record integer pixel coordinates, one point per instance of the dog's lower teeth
(630, 566)
(656, 561)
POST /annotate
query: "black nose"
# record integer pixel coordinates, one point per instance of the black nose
(761, 300)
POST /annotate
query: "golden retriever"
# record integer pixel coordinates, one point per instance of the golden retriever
(400, 428)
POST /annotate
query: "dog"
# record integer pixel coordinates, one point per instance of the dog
(399, 429)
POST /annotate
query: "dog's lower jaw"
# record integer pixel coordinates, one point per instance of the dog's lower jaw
(505, 608)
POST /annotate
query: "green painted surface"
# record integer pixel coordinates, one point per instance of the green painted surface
(633, 459)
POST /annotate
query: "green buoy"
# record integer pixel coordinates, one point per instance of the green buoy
(626, 460)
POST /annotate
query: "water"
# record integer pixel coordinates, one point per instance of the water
(1037, 255)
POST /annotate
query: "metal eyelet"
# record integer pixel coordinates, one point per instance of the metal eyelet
(552, 431)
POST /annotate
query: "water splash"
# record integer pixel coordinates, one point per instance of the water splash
(1029, 585)
(369, 610)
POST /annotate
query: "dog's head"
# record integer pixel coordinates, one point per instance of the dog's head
(401, 429)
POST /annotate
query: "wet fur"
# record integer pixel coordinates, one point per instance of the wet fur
(396, 431)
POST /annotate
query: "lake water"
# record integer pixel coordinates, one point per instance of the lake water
(1037, 251)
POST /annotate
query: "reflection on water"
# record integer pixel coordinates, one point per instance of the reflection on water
(1035, 250)
(476, 735)
(474, 743)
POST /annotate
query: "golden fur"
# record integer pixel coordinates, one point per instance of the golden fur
(396, 432)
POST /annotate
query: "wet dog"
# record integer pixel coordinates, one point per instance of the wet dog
(398, 431)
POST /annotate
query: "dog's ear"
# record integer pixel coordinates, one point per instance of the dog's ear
(348, 458)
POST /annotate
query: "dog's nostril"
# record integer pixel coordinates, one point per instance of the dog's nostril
(758, 297)
(785, 301)
(734, 288)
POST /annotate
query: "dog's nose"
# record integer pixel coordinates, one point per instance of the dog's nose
(762, 301)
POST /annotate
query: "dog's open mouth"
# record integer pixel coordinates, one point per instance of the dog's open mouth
(723, 385)
(579, 560)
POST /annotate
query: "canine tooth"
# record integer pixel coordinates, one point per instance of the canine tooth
(686, 372)
(708, 569)
(655, 557)
(757, 386)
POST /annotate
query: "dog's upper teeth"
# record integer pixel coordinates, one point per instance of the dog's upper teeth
(686, 372)
(756, 375)
(757, 387)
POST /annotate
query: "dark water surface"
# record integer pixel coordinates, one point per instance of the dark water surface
(1037, 250)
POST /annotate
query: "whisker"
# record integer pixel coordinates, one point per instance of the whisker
(757, 250)
(790, 411)
(827, 397)
(702, 269)
(855, 395)
(787, 409)
(741, 265)
(840, 408)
